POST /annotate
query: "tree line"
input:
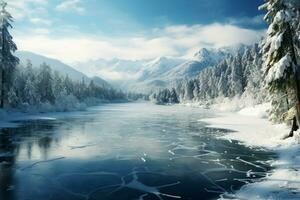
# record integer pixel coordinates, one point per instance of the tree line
(42, 87)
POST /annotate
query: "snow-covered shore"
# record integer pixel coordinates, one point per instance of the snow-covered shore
(253, 129)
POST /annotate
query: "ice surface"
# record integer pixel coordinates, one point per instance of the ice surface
(254, 130)
(121, 150)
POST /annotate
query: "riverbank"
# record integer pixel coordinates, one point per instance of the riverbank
(11, 118)
(253, 129)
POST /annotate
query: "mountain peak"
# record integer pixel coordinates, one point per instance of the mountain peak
(209, 55)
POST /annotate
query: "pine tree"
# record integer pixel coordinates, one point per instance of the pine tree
(173, 96)
(280, 59)
(44, 84)
(8, 60)
(31, 96)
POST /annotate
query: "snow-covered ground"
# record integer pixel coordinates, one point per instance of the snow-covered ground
(253, 129)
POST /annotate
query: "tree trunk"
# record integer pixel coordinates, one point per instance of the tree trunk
(2, 89)
(2, 72)
(296, 119)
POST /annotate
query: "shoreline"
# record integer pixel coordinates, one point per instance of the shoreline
(253, 129)
(11, 119)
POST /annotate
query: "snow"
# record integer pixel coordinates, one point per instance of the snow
(282, 16)
(278, 70)
(264, 6)
(254, 130)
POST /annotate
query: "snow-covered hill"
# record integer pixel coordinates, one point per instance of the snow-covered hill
(56, 65)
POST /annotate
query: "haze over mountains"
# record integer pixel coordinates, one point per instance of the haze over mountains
(135, 75)
(149, 75)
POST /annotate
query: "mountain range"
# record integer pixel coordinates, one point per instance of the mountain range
(135, 75)
(149, 75)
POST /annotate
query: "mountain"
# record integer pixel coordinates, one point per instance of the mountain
(157, 67)
(110, 67)
(210, 55)
(148, 75)
(99, 81)
(202, 59)
(56, 65)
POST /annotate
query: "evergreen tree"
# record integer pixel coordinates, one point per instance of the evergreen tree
(44, 84)
(31, 96)
(173, 96)
(280, 59)
(57, 85)
(8, 60)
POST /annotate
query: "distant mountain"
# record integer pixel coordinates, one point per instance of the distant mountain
(99, 81)
(113, 65)
(210, 55)
(147, 75)
(191, 68)
(56, 65)
(157, 67)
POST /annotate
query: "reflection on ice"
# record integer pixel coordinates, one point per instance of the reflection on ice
(124, 151)
(39, 162)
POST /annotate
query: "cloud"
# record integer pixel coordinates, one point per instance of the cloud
(41, 31)
(169, 41)
(21, 9)
(114, 75)
(71, 6)
(40, 21)
(256, 20)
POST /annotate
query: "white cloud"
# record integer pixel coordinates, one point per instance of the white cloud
(169, 41)
(41, 31)
(27, 8)
(114, 75)
(71, 5)
(40, 21)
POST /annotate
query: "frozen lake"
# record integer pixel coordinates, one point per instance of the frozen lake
(124, 151)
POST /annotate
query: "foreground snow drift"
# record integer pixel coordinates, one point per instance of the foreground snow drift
(253, 129)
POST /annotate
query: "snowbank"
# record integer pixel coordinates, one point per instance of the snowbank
(253, 129)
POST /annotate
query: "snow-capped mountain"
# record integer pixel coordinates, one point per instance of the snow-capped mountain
(136, 75)
(144, 75)
(157, 67)
(191, 68)
(56, 65)
(110, 69)
(210, 55)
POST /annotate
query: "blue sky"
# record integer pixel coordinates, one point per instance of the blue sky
(132, 29)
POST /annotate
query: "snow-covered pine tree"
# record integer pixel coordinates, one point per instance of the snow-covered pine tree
(7, 46)
(45, 83)
(280, 59)
(173, 96)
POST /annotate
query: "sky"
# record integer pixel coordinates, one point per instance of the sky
(82, 30)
